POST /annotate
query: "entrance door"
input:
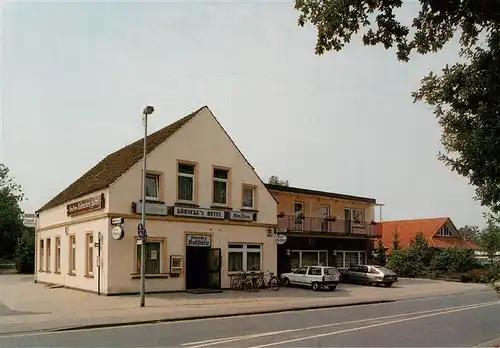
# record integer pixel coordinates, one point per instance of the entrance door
(213, 269)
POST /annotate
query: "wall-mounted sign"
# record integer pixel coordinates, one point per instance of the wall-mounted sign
(117, 221)
(117, 233)
(151, 208)
(86, 205)
(175, 264)
(199, 213)
(198, 240)
(241, 216)
(280, 239)
(29, 220)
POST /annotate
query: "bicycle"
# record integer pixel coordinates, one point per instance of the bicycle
(269, 280)
(245, 281)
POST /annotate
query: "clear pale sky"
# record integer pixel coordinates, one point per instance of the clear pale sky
(76, 76)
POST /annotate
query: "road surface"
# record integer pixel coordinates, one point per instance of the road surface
(453, 321)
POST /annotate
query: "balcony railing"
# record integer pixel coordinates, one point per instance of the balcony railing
(335, 226)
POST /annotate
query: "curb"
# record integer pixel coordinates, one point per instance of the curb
(213, 316)
(491, 343)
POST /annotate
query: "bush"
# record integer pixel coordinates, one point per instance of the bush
(405, 263)
(25, 252)
(453, 261)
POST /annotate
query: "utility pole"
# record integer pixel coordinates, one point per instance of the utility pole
(148, 110)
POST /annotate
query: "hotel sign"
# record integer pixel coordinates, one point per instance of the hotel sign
(241, 216)
(199, 213)
(86, 205)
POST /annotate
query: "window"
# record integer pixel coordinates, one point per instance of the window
(301, 270)
(350, 258)
(244, 257)
(357, 216)
(152, 186)
(185, 182)
(299, 210)
(57, 267)
(152, 252)
(302, 258)
(47, 254)
(72, 254)
(248, 197)
(445, 232)
(41, 256)
(89, 268)
(314, 271)
(220, 186)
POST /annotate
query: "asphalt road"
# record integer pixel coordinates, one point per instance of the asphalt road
(459, 321)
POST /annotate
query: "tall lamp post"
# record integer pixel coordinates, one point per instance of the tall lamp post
(148, 110)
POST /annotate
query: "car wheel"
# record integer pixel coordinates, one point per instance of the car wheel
(332, 287)
(388, 285)
(315, 286)
(286, 282)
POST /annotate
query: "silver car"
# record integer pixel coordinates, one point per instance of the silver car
(315, 277)
(369, 274)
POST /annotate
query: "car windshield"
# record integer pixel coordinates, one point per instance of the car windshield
(330, 271)
(383, 269)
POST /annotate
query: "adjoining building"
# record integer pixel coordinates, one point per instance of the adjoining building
(440, 233)
(323, 228)
(208, 215)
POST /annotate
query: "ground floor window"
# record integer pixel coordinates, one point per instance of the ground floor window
(350, 258)
(152, 252)
(300, 258)
(244, 257)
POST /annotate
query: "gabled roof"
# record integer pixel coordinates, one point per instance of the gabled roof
(116, 164)
(303, 191)
(408, 229)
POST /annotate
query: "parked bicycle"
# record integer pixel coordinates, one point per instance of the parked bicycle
(247, 281)
(269, 280)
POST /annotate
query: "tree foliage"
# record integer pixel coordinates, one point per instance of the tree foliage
(25, 251)
(464, 96)
(489, 239)
(470, 232)
(395, 242)
(380, 257)
(11, 223)
(275, 180)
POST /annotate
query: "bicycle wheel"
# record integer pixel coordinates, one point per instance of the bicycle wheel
(236, 284)
(247, 285)
(274, 283)
(255, 285)
(260, 282)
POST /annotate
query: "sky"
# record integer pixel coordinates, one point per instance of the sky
(75, 77)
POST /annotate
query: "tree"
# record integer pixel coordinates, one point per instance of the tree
(489, 239)
(380, 257)
(470, 232)
(275, 180)
(25, 251)
(464, 96)
(419, 246)
(11, 223)
(395, 242)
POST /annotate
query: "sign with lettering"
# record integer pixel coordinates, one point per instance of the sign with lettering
(199, 213)
(160, 209)
(29, 220)
(86, 205)
(241, 216)
(198, 240)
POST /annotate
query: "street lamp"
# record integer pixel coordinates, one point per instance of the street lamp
(148, 110)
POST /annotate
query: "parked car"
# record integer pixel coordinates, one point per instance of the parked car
(315, 277)
(369, 274)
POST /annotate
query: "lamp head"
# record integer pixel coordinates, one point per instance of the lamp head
(148, 110)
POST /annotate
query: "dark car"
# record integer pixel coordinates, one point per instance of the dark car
(369, 275)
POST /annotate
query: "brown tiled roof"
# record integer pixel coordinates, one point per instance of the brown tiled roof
(319, 193)
(116, 164)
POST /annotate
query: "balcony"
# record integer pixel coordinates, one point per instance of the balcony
(321, 225)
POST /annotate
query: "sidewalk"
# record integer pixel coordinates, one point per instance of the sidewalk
(33, 307)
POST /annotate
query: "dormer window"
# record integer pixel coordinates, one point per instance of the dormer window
(445, 232)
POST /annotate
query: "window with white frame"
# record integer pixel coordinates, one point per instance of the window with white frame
(220, 178)
(445, 232)
(185, 182)
(72, 254)
(350, 258)
(41, 256)
(248, 197)
(244, 257)
(152, 252)
(152, 186)
(89, 268)
(48, 255)
(356, 215)
(58, 254)
(302, 258)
